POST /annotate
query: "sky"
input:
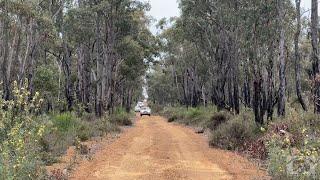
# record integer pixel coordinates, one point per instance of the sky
(163, 9)
(306, 4)
(169, 8)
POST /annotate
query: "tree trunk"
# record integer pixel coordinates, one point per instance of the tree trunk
(270, 83)
(246, 89)
(282, 73)
(99, 66)
(315, 55)
(4, 65)
(66, 63)
(257, 100)
(203, 93)
(298, 57)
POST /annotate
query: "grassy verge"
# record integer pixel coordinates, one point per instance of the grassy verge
(227, 131)
(29, 140)
(64, 130)
(290, 147)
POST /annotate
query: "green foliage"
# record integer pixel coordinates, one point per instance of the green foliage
(298, 144)
(121, 117)
(20, 133)
(287, 161)
(65, 129)
(172, 118)
(65, 121)
(232, 134)
(159, 87)
(106, 126)
(227, 131)
(190, 116)
(193, 113)
(46, 80)
(217, 119)
(156, 108)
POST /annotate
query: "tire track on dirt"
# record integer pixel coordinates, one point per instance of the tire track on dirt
(155, 149)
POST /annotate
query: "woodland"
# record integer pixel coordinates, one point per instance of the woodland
(247, 70)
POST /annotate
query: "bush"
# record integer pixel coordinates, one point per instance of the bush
(172, 118)
(284, 158)
(121, 117)
(106, 126)
(64, 129)
(68, 123)
(293, 145)
(156, 108)
(65, 121)
(217, 119)
(20, 134)
(234, 132)
(85, 131)
(199, 117)
(193, 113)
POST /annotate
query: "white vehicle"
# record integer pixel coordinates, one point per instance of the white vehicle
(140, 104)
(137, 108)
(145, 111)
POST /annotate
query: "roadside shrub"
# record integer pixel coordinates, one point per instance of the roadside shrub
(232, 134)
(217, 119)
(65, 121)
(256, 148)
(294, 146)
(288, 162)
(172, 118)
(121, 118)
(193, 113)
(195, 116)
(76, 127)
(199, 117)
(156, 108)
(20, 133)
(57, 139)
(106, 126)
(85, 131)
(65, 129)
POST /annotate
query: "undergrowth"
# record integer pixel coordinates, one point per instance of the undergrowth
(29, 140)
(64, 129)
(290, 147)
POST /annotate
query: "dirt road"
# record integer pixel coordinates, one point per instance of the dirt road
(155, 149)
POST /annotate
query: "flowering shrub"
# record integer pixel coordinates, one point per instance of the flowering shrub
(20, 134)
(293, 149)
(287, 162)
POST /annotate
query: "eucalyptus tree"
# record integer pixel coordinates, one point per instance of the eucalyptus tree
(25, 29)
(298, 56)
(282, 86)
(112, 44)
(230, 53)
(99, 50)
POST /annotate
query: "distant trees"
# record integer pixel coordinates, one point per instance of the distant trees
(237, 54)
(96, 49)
